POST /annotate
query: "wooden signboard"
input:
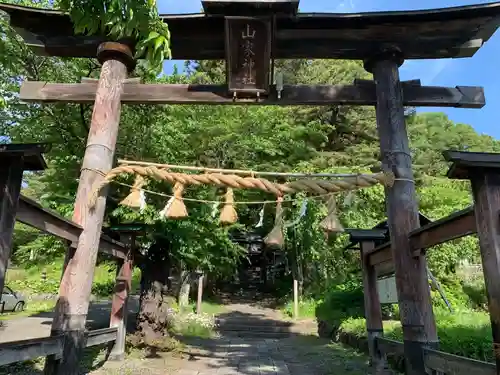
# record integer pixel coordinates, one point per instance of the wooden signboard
(248, 54)
(387, 290)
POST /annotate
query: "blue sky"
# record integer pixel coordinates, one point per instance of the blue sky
(476, 71)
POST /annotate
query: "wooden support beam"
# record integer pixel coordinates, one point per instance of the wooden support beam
(33, 214)
(11, 174)
(100, 336)
(384, 269)
(360, 94)
(14, 160)
(119, 305)
(459, 224)
(74, 292)
(483, 171)
(25, 350)
(417, 318)
(373, 310)
(446, 363)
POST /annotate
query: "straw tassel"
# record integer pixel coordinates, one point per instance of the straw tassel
(175, 208)
(228, 214)
(331, 223)
(276, 237)
(135, 199)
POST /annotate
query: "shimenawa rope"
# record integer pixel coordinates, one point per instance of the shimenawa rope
(238, 182)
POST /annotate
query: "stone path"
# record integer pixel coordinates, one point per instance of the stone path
(297, 352)
(240, 356)
(300, 352)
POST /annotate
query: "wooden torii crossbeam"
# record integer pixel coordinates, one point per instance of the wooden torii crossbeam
(362, 92)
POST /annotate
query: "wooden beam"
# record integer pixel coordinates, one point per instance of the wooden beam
(11, 175)
(33, 214)
(119, 305)
(361, 94)
(445, 363)
(458, 224)
(100, 336)
(373, 309)
(431, 34)
(384, 269)
(25, 350)
(388, 346)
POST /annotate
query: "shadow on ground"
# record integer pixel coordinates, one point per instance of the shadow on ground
(253, 342)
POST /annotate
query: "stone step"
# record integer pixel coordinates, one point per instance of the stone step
(257, 322)
(255, 334)
(252, 328)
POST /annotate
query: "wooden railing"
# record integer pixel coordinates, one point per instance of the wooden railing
(25, 350)
(458, 224)
(443, 363)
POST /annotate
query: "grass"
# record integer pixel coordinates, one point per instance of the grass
(307, 309)
(31, 308)
(29, 281)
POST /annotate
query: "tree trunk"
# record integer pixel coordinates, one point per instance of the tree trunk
(155, 315)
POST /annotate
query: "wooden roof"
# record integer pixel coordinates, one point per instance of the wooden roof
(437, 33)
(379, 233)
(32, 154)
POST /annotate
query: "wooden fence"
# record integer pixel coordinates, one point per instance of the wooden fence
(33, 214)
(483, 219)
(441, 362)
(25, 350)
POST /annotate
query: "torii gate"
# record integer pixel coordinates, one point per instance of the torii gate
(383, 40)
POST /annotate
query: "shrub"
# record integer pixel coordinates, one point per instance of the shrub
(192, 324)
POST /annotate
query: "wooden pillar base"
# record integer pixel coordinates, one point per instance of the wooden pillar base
(483, 171)
(417, 318)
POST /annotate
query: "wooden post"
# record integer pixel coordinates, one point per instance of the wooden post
(483, 170)
(417, 318)
(373, 310)
(200, 295)
(295, 298)
(11, 174)
(119, 306)
(14, 159)
(74, 292)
